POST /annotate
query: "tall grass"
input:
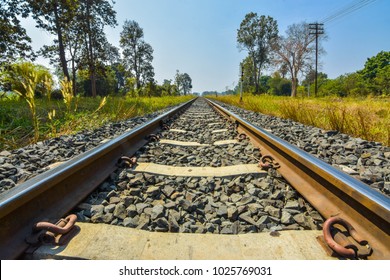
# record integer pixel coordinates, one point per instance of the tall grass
(67, 94)
(27, 92)
(366, 118)
(16, 125)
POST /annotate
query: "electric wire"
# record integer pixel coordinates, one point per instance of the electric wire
(346, 10)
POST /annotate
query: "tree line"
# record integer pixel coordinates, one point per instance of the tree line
(291, 56)
(80, 52)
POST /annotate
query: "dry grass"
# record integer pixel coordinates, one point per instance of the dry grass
(366, 118)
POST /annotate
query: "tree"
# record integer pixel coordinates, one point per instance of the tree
(248, 75)
(295, 51)
(183, 83)
(79, 29)
(120, 76)
(309, 80)
(279, 85)
(54, 17)
(137, 54)
(375, 73)
(168, 88)
(257, 36)
(94, 15)
(14, 42)
(374, 64)
(382, 80)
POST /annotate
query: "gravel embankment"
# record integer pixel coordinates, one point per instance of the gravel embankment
(19, 165)
(237, 204)
(365, 160)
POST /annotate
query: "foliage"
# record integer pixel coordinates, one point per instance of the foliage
(168, 88)
(78, 26)
(24, 78)
(17, 75)
(94, 16)
(106, 81)
(247, 75)
(382, 80)
(54, 17)
(138, 55)
(183, 83)
(257, 35)
(278, 85)
(14, 41)
(374, 64)
(376, 72)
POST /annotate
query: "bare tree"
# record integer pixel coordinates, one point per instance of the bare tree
(295, 52)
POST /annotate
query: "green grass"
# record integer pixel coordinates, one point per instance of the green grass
(367, 118)
(16, 126)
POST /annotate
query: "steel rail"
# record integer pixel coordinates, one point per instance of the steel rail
(330, 191)
(51, 195)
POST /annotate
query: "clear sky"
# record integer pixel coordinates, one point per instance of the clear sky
(198, 37)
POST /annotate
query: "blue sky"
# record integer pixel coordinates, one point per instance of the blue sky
(198, 37)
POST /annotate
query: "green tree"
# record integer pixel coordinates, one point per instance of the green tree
(183, 82)
(14, 42)
(374, 72)
(374, 64)
(248, 75)
(54, 16)
(169, 88)
(279, 85)
(138, 55)
(308, 82)
(78, 27)
(120, 76)
(264, 83)
(257, 35)
(94, 15)
(382, 80)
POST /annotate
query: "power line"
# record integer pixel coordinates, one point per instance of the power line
(346, 10)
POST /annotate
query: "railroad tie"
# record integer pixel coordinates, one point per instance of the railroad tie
(186, 171)
(196, 144)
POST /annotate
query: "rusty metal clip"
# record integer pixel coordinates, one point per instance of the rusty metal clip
(267, 162)
(241, 137)
(153, 137)
(127, 161)
(348, 244)
(56, 234)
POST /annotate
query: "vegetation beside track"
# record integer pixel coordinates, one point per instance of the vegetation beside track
(16, 125)
(367, 118)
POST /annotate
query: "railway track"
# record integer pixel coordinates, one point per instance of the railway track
(200, 169)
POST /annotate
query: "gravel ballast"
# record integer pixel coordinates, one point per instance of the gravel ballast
(218, 205)
(19, 165)
(365, 160)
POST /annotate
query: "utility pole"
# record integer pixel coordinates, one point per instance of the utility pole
(316, 29)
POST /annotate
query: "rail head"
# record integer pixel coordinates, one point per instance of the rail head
(329, 190)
